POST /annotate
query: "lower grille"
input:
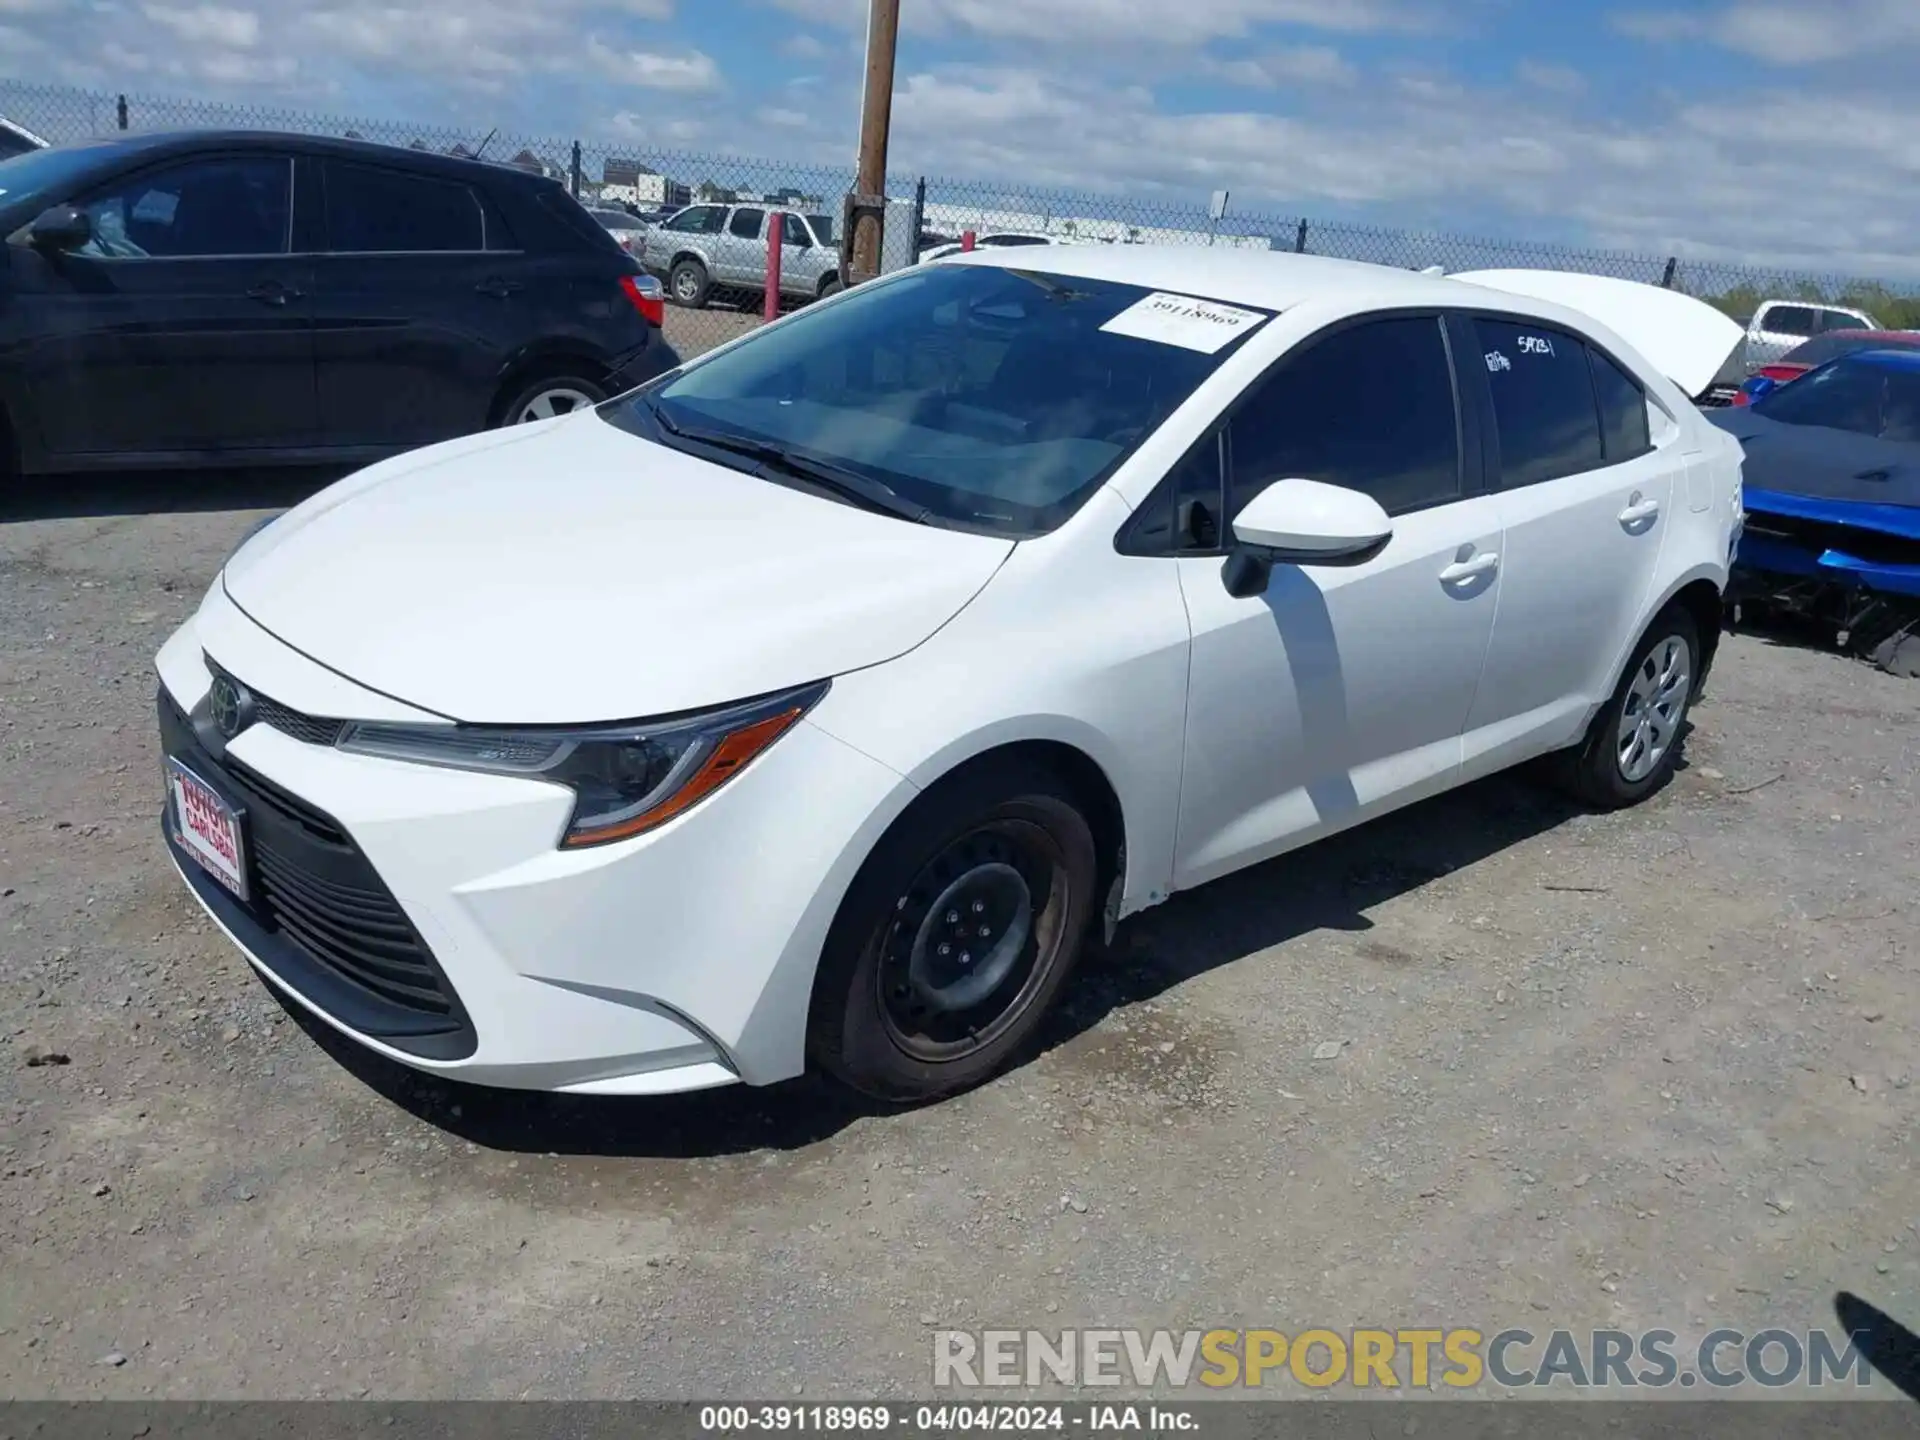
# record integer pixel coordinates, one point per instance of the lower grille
(319, 915)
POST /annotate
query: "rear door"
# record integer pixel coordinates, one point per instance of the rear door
(414, 315)
(1586, 468)
(183, 326)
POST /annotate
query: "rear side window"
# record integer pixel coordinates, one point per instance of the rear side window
(371, 210)
(1624, 432)
(1543, 402)
(1370, 407)
(1788, 320)
(745, 224)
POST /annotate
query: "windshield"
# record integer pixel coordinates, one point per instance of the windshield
(1846, 394)
(51, 172)
(996, 399)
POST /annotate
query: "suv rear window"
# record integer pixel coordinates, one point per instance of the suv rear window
(373, 210)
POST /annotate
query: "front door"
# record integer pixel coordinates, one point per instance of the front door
(182, 326)
(1340, 692)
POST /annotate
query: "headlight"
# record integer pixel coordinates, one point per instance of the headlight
(626, 779)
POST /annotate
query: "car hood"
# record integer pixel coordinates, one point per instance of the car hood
(1815, 463)
(1685, 339)
(569, 572)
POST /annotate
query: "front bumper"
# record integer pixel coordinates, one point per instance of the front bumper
(679, 960)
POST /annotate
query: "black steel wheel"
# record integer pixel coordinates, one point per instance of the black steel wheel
(956, 936)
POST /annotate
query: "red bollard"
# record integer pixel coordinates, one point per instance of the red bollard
(775, 226)
(966, 239)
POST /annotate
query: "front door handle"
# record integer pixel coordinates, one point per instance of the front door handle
(1485, 563)
(498, 288)
(1874, 475)
(1638, 510)
(272, 292)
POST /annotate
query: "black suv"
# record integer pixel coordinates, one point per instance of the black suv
(221, 297)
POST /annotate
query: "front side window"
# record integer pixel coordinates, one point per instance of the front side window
(823, 230)
(1543, 402)
(198, 210)
(997, 399)
(700, 220)
(1844, 395)
(745, 224)
(1842, 320)
(794, 232)
(371, 210)
(1788, 320)
(1370, 407)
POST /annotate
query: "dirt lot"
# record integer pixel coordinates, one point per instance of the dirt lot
(692, 332)
(1635, 1070)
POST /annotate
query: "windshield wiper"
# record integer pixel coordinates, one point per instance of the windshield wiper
(848, 484)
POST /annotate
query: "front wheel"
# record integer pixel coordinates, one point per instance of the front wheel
(830, 286)
(1634, 742)
(956, 936)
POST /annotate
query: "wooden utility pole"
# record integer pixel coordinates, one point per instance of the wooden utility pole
(867, 212)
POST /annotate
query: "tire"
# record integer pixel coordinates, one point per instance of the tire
(1899, 655)
(1634, 742)
(1005, 846)
(547, 396)
(689, 284)
(830, 286)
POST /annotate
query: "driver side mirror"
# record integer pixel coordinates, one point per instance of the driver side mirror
(1302, 522)
(63, 227)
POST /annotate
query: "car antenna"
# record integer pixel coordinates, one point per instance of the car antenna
(486, 142)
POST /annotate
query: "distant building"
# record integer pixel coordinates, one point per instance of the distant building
(627, 181)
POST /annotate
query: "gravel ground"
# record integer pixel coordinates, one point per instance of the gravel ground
(693, 332)
(1634, 1070)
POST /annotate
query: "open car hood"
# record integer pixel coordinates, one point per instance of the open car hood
(1686, 339)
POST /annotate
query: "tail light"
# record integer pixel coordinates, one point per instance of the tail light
(646, 296)
(1782, 373)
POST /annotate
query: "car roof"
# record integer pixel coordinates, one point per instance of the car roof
(1267, 279)
(1908, 360)
(1889, 337)
(187, 142)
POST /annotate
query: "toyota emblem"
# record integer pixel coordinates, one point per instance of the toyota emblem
(230, 706)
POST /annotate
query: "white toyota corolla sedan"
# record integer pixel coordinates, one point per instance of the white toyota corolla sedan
(815, 703)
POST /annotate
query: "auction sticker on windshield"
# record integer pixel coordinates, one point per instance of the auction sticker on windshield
(207, 827)
(1183, 320)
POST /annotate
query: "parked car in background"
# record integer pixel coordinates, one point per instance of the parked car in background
(816, 703)
(16, 139)
(625, 227)
(995, 240)
(1779, 325)
(240, 296)
(1830, 346)
(1833, 501)
(704, 250)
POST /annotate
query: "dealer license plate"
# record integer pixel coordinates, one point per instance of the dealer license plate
(207, 828)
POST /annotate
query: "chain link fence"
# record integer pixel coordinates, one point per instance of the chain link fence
(647, 180)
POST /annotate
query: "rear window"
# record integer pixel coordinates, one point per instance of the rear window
(1543, 402)
(1845, 394)
(372, 210)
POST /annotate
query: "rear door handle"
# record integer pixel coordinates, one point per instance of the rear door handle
(1485, 563)
(272, 292)
(1874, 475)
(1639, 510)
(498, 288)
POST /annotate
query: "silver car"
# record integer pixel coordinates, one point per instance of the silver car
(1779, 325)
(709, 248)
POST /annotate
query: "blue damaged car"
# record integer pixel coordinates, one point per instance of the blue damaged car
(1832, 495)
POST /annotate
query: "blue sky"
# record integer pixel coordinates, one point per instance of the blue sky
(1777, 131)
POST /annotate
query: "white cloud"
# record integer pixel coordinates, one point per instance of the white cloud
(208, 25)
(1783, 32)
(692, 71)
(1276, 69)
(1110, 22)
(1555, 79)
(785, 119)
(803, 47)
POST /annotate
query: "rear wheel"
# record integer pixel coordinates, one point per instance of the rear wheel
(551, 396)
(956, 936)
(1634, 742)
